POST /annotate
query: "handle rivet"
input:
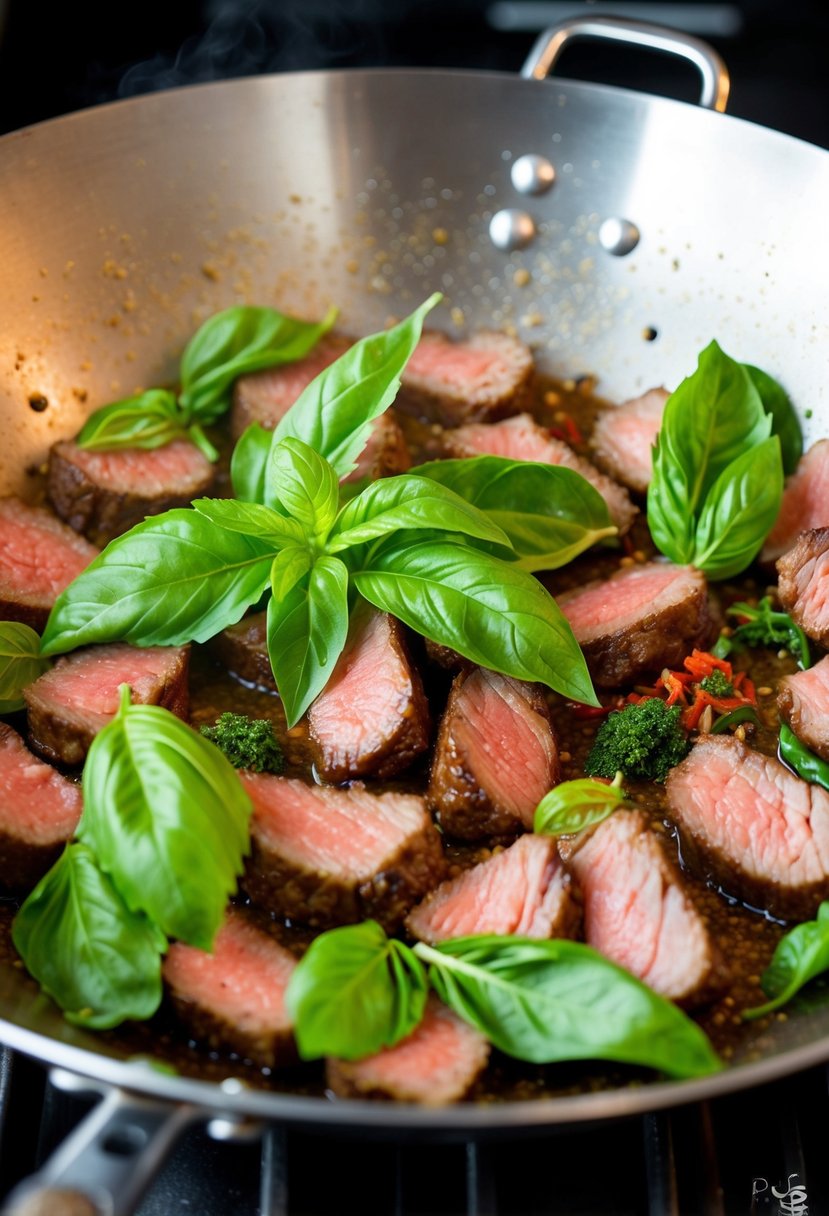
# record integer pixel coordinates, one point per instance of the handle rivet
(511, 229)
(618, 236)
(532, 174)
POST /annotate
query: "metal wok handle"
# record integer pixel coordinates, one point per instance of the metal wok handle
(549, 45)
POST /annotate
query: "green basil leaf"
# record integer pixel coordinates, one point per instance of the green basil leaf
(800, 956)
(806, 763)
(550, 515)
(167, 818)
(235, 342)
(334, 413)
(575, 805)
(546, 1001)
(249, 462)
(304, 485)
(670, 519)
(251, 519)
(739, 511)
(354, 992)
(20, 663)
(785, 422)
(762, 626)
(172, 579)
(148, 420)
(490, 612)
(289, 566)
(409, 502)
(307, 629)
(100, 962)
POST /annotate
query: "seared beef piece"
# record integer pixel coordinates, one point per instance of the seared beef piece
(483, 377)
(804, 583)
(386, 452)
(437, 1064)
(243, 650)
(39, 811)
(233, 999)
(805, 502)
(637, 912)
(522, 890)
(640, 620)
(445, 656)
(324, 856)
(39, 557)
(623, 437)
(79, 696)
(496, 756)
(803, 701)
(372, 718)
(749, 823)
(521, 438)
(265, 397)
(103, 494)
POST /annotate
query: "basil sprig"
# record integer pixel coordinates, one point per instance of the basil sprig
(801, 955)
(717, 470)
(20, 663)
(230, 344)
(764, 626)
(575, 805)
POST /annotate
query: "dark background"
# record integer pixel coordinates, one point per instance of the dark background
(58, 57)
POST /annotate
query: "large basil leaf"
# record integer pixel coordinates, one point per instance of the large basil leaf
(289, 566)
(409, 502)
(304, 485)
(100, 962)
(670, 519)
(307, 629)
(575, 805)
(354, 992)
(550, 515)
(172, 579)
(251, 519)
(335, 412)
(20, 663)
(486, 609)
(249, 462)
(167, 818)
(545, 1001)
(785, 422)
(800, 956)
(739, 511)
(236, 342)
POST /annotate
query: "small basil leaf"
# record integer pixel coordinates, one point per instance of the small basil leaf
(739, 511)
(307, 629)
(490, 612)
(249, 462)
(167, 818)
(234, 343)
(575, 805)
(20, 663)
(800, 956)
(413, 503)
(100, 962)
(334, 413)
(172, 579)
(251, 519)
(304, 485)
(290, 565)
(354, 992)
(546, 1001)
(670, 519)
(785, 422)
(148, 420)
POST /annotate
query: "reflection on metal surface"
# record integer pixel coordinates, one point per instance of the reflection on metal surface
(533, 174)
(707, 20)
(618, 236)
(511, 229)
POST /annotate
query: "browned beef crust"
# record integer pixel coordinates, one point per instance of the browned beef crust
(243, 650)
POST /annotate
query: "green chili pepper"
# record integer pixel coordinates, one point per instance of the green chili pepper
(804, 762)
(743, 714)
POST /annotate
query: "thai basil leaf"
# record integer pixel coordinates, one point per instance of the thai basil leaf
(98, 960)
(354, 992)
(670, 519)
(172, 579)
(234, 343)
(739, 511)
(546, 1001)
(304, 485)
(800, 956)
(251, 519)
(307, 629)
(409, 502)
(147, 420)
(289, 566)
(167, 818)
(550, 515)
(486, 609)
(575, 805)
(20, 663)
(249, 462)
(333, 415)
(785, 422)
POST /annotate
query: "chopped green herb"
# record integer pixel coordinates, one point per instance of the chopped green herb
(717, 684)
(644, 740)
(762, 626)
(247, 742)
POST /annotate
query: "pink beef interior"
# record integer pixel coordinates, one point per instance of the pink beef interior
(86, 683)
(171, 469)
(805, 502)
(627, 434)
(812, 587)
(39, 556)
(626, 598)
(37, 804)
(269, 394)
(810, 696)
(450, 366)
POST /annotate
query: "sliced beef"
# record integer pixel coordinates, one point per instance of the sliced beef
(749, 823)
(265, 397)
(521, 438)
(386, 452)
(372, 718)
(103, 494)
(804, 583)
(522, 890)
(233, 999)
(496, 756)
(444, 656)
(483, 377)
(39, 811)
(437, 1064)
(325, 856)
(805, 502)
(68, 705)
(39, 557)
(623, 437)
(803, 700)
(243, 650)
(637, 911)
(640, 620)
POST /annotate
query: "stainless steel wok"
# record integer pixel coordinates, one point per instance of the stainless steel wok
(666, 225)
